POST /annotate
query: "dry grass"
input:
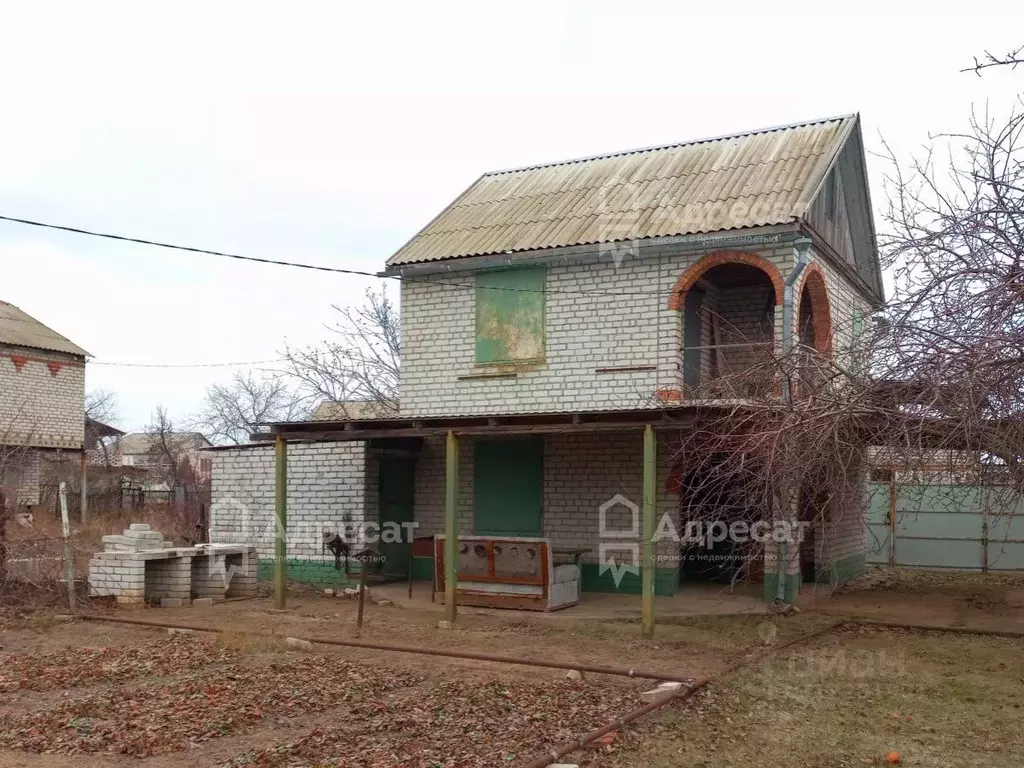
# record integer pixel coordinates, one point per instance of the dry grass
(848, 699)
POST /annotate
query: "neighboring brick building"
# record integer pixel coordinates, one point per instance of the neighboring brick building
(42, 401)
(558, 308)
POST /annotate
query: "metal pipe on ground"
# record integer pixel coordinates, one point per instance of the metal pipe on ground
(469, 655)
(882, 624)
(556, 753)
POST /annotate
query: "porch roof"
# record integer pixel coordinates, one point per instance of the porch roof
(676, 417)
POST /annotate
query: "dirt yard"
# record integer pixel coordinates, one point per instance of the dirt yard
(86, 693)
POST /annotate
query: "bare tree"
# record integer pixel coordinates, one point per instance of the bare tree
(954, 330)
(167, 448)
(231, 412)
(359, 362)
(101, 405)
(989, 60)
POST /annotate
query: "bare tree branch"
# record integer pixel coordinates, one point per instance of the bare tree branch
(230, 413)
(1011, 59)
(359, 363)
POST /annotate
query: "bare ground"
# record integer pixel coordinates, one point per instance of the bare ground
(106, 694)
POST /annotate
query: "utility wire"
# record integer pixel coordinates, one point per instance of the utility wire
(317, 267)
(186, 365)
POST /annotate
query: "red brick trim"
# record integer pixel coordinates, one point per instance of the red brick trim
(54, 368)
(669, 394)
(813, 281)
(676, 475)
(717, 259)
(20, 360)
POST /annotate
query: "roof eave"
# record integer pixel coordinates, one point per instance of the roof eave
(696, 241)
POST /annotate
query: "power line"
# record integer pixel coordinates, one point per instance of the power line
(317, 267)
(186, 365)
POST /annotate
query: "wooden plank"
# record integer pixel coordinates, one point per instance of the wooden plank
(451, 524)
(280, 522)
(649, 511)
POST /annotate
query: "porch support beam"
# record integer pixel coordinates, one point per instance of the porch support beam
(280, 521)
(451, 523)
(649, 512)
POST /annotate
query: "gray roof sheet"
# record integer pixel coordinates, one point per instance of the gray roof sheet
(758, 178)
(21, 329)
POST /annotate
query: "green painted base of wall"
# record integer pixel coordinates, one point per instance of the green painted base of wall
(666, 581)
(312, 572)
(790, 587)
(841, 571)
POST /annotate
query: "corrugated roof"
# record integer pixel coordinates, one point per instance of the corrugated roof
(23, 330)
(135, 443)
(350, 409)
(757, 178)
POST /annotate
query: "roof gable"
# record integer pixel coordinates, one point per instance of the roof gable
(20, 329)
(758, 178)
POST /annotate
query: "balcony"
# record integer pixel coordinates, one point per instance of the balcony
(729, 335)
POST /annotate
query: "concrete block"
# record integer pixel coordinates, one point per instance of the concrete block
(298, 644)
(171, 602)
(663, 689)
(202, 602)
(140, 527)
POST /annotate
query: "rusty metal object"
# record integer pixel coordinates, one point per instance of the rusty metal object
(590, 668)
(882, 624)
(556, 753)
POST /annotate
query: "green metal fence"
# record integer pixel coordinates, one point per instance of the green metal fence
(958, 527)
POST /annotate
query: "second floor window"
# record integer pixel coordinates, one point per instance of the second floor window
(510, 315)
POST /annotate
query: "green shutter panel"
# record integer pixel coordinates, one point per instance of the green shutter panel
(510, 315)
(508, 487)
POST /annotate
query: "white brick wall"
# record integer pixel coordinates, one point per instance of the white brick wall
(844, 298)
(584, 331)
(20, 474)
(40, 406)
(843, 533)
(327, 487)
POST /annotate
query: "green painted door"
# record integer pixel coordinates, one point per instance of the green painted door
(396, 500)
(508, 487)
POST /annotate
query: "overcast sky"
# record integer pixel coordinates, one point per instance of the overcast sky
(330, 133)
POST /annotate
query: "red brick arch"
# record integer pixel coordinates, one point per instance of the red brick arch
(813, 281)
(717, 259)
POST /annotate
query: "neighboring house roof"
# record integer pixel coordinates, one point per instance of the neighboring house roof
(140, 442)
(20, 329)
(350, 409)
(757, 178)
(94, 430)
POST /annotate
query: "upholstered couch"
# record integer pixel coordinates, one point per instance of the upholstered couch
(508, 572)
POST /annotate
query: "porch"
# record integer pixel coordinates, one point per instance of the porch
(604, 485)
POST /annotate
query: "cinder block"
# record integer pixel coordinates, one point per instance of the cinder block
(171, 602)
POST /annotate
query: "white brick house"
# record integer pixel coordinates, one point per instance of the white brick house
(550, 312)
(42, 401)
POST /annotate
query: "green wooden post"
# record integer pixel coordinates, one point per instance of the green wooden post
(451, 523)
(281, 520)
(650, 510)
